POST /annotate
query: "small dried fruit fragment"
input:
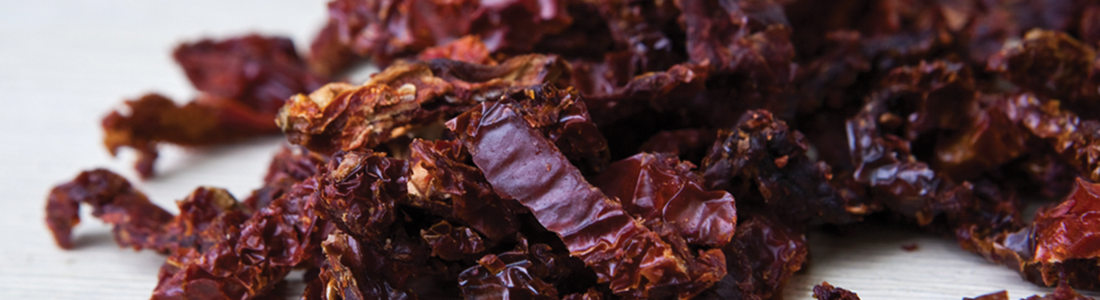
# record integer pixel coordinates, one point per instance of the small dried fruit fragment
(826, 291)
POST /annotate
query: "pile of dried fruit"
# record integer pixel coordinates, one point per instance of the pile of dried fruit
(621, 149)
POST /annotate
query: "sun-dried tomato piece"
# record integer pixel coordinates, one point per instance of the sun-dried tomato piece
(452, 243)
(358, 191)
(826, 291)
(661, 187)
(505, 276)
(523, 164)
(384, 30)
(762, 155)
(259, 72)
(1051, 64)
(244, 82)
(468, 49)
(1066, 232)
(405, 99)
(137, 221)
(760, 259)
(355, 271)
(154, 119)
(1075, 140)
(249, 264)
(442, 183)
(291, 165)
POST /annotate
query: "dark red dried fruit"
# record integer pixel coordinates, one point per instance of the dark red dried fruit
(243, 82)
(826, 291)
(523, 164)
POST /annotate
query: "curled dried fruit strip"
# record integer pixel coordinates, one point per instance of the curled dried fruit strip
(523, 164)
(113, 199)
(206, 216)
(244, 81)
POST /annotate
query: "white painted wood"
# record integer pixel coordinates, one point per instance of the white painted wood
(64, 64)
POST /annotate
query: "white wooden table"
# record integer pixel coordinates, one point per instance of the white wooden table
(64, 64)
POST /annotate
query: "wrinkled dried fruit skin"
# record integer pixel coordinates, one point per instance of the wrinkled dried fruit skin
(385, 30)
(452, 243)
(760, 259)
(563, 118)
(762, 154)
(659, 186)
(510, 275)
(404, 100)
(357, 191)
(442, 182)
(291, 165)
(249, 264)
(467, 49)
(1051, 64)
(826, 291)
(154, 119)
(243, 83)
(259, 72)
(523, 164)
(206, 216)
(354, 271)
(137, 221)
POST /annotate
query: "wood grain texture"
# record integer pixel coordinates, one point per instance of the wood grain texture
(64, 64)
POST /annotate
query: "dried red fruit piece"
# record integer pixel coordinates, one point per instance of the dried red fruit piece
(523, 164)
(452, 243)
(762, 155)
(354, 271)
(1075, 140)
(250, 264)
(826, 291)
(661, 187)
(113, 200)
(405, 99)
(1051, 64)
(384, 30)
(763, 255)
(291, 165)
(467, 49)
(358, 191)
(510, 275)
(442, 183)
(243, 81)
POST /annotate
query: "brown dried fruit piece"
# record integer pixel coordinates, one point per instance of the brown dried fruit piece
(523, 164)
(243, 82)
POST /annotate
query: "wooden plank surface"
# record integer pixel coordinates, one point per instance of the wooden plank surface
(64, 64)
